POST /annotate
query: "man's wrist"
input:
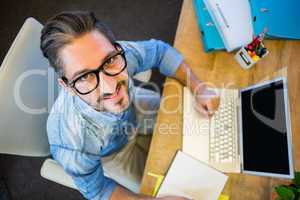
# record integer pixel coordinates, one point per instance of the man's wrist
(197, 87)
(185, 75)
(142, 197)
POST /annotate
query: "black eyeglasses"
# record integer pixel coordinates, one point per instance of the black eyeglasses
(89, 81)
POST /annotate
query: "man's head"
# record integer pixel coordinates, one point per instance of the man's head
(86, 57)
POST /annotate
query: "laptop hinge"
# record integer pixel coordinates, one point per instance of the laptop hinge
(238, 110)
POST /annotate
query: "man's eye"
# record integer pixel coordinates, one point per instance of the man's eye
(110, 61)
(85, 77)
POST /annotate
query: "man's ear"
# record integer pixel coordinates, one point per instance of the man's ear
(64, 85)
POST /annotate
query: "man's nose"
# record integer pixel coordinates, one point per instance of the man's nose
(107, 84)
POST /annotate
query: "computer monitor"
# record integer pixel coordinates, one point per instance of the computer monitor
(266, 147)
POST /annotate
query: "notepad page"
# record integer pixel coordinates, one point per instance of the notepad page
(192, 179)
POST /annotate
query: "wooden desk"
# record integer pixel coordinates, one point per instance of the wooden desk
(220, 68)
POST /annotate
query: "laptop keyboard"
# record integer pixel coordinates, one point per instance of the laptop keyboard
(222, 131)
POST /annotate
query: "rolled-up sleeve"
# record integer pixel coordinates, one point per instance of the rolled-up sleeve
(145, 55)
(86, 171)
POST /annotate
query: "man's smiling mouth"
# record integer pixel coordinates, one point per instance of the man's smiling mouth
(112, 96)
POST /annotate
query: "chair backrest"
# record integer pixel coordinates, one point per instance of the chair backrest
(28, 89)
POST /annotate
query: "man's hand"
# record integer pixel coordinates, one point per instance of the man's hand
(207, 101)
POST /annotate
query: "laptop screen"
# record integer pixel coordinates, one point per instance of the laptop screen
(264, 129)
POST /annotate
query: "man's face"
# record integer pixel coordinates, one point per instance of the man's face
(87, 53)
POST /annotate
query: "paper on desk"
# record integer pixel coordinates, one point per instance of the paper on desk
(192, 179)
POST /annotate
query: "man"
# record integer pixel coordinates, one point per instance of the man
(95, 123)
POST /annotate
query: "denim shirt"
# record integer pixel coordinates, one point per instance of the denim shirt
(79, 135)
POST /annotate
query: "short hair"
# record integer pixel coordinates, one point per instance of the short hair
(63, 28)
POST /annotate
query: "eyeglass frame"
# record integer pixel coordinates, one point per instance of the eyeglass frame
(97, 71)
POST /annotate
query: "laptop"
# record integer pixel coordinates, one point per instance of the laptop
(250, 132)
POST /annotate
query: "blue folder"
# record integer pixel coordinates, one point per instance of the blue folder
(282, 18)
(210, 36)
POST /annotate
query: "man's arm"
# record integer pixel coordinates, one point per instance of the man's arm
(124, 194)
(144, 55)
(185, 76)
(150, 54)
(207, 101)
(86, 171)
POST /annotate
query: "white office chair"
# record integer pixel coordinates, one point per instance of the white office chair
(28, 89)
(24, 90)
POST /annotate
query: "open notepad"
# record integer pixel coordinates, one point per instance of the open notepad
(192, 179)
